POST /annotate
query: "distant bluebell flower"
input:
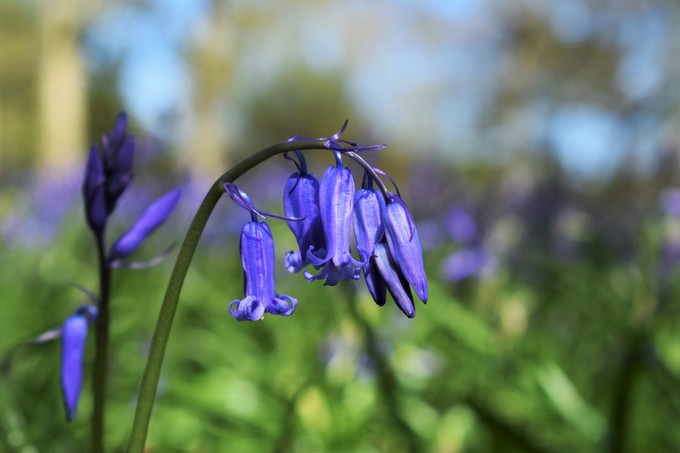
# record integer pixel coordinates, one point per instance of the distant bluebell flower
(404, 245)
(670, 202)
(336, 200)
(153, 217)
(464, 264)
(301, 200)
(257, 259)
(93, 192)
(461, 226)
(369, 204)
(73, 340)
(393, 278)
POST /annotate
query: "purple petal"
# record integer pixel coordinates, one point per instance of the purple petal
(368, 230)
(152, 218)
(248, 309)
(93, 192)
(301, 200)
(121, 172)
(336, 200)
(402, 238)
(74, 336)
(394, 280)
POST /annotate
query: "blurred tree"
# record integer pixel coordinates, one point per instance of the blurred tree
(18, 59)
(62, 85)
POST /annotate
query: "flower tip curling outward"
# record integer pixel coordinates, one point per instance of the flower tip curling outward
(73, 340)
(153, 217)
(402, 238)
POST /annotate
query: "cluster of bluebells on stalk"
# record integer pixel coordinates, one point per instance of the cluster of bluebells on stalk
(108, 174)
(322, 215)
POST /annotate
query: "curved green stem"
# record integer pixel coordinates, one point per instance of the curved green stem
(149, 385)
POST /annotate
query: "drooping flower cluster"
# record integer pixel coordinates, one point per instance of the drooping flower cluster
(322, 215)
(107, 175)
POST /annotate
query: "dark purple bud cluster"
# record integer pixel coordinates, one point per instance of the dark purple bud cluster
(107, 176)
(321, 216)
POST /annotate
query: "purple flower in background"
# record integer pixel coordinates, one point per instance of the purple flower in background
(336, 200)
(404, 245)
(368, 231)
(257, 259)
(73, 340)
(461, 226)
(464, 264)
(153, 217)
(301, 200)
(670, 202)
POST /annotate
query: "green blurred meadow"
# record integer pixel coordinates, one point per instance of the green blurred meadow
(536, 144)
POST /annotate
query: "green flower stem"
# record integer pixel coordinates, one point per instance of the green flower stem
(101, 349)
(149, 385)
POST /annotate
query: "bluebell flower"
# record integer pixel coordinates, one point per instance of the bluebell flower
(404, 245)
(153, 217)
(336, 200)
(393, 278)
(301, 200)
(368, 231)
(73, 340)
(257, 259)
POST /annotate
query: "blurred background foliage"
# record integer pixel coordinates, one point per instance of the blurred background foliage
(536, 142)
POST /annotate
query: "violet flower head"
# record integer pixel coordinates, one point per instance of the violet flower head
(368, 231)
(301, 200)
(336, 200)
(73, 341)
(257, 259)
(404, 245)
(153, 217)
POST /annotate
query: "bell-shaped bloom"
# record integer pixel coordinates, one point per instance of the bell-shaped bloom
(118, 155)
(392, 277)
(301, 200)
(94, 192)
(153, 217)
(257, 259)
(404, 245)
(73, 340)
(336, 200)
(368, 231)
